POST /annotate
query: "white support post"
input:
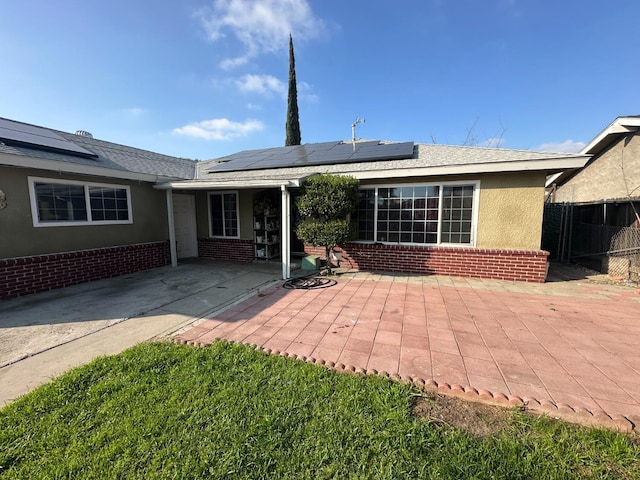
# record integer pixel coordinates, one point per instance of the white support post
(286, 233)
(172, 229)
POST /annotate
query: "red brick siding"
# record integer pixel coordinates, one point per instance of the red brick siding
(233, 249)
(517, 265)
(26, 275)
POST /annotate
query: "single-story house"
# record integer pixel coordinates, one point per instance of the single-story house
(74, 208)
(601, 201)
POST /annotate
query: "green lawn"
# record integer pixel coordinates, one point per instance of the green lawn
(228, 411)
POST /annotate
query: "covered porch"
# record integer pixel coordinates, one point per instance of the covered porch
(240, 220)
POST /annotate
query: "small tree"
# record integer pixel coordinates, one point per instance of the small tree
(324, 205)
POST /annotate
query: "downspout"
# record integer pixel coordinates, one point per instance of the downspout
(172, 229)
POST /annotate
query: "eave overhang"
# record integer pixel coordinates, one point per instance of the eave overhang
(546, 165)
(227, 184)
(620, 126)
(58, 166)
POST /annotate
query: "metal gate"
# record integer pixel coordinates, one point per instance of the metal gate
(624, 254)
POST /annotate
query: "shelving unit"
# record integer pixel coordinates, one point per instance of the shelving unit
(266, 235)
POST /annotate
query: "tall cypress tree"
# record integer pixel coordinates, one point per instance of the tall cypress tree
(293, 119)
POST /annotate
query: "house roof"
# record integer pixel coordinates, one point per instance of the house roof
(109, 159)
(369, 159)
(424, 160)
(620, 127)
(617, 129)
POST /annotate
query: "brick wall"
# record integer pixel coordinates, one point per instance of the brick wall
(232, 249)
(517, 265)
(26, 275)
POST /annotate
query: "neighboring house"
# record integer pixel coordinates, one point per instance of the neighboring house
(601, 200)
(82, 209)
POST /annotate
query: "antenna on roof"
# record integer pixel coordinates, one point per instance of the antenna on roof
(357, 121)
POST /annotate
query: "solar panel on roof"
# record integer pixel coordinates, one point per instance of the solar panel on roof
(326, 153)
(20, 134)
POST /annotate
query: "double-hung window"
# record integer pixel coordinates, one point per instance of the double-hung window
(67, 203)
(418, 214)
(223, 214)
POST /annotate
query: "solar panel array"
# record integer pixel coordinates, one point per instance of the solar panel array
(313, 154)
(21, 134)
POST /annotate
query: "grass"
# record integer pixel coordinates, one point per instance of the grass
(228, 411)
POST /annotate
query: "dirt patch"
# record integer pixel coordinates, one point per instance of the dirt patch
(477, 419)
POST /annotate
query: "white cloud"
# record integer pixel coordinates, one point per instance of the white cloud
(305, 93)
(231, 63)
(219, 129)
(568, 146)
(262, 84)
(262, 26)
(268, 85)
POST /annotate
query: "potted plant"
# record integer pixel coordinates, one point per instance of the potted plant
(263, 206)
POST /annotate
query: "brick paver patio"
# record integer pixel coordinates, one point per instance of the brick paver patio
(569, 342)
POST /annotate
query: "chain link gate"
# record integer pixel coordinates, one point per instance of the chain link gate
(624, 254)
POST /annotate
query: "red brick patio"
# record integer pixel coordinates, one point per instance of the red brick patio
(570, 345)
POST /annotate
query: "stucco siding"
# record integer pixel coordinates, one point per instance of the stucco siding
(20, 238)
(509, 214)
(613, 174)
(510, 211)
(510, 207)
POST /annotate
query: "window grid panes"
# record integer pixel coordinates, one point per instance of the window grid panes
(230, 215)
(224, 214)
(457, 214)
(59, 202)
(408, 214)
(108, 203)
(413, 214)
(69, 203)
(366, 212)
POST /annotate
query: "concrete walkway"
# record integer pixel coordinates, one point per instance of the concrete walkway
(569, 345)
(43, 335)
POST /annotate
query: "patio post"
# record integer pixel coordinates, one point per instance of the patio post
(286, 233)
(172, 229)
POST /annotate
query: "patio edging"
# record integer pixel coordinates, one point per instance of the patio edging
(544, 407)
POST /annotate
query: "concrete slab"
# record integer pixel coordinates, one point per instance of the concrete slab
(43, 335)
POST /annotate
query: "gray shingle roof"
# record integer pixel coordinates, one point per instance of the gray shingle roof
(424, 155)
(129, 159)
(111, 156)
(135, 159)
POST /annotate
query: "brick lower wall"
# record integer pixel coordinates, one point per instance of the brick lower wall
(517, 265)
(26, 275)
(232, 249)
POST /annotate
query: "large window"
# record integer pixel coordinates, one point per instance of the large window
(223, 212)
(421, 214)
(67, 203)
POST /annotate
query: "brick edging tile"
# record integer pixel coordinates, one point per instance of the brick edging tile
(544, 407)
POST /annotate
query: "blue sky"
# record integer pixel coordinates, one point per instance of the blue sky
(206, 78)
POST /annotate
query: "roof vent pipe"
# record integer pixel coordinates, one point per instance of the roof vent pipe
(83, 133)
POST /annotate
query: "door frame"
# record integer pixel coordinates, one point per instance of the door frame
(191, 224)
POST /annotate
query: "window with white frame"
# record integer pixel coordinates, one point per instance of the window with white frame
(67, 203)
(223, 214)
(418, 214)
